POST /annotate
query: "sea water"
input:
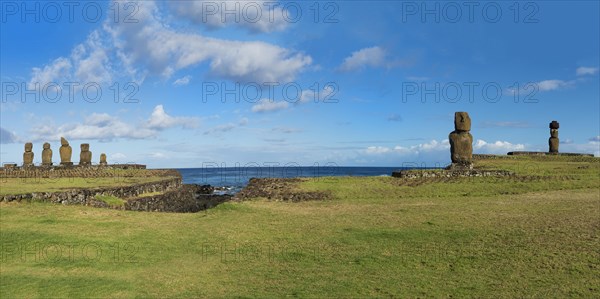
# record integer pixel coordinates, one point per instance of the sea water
(232, 179)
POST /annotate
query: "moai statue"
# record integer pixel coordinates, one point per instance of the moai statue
(47, 155)
(461, 141)
(85, 158)
(65, 152)
(28, 155)
(103, 159)
(553, 141)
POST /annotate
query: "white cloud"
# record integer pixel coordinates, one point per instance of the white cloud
(592, 147)
(7, 137)
(91, 61)
(161, 120)
(266, 105)
(498, 147)
(58, 69)
(182, 81)
(103, 126)
(152, 44)
(88, 63)
(434, 146)
(256, 16)
(372, 57)
(431, 146)
(548, 85)
(227, 127)
(377, 150)
(582, 71)
(117, 156)
(545, 85)
(327, 94)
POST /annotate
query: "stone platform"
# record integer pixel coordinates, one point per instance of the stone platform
(442, 173)
(523, 153)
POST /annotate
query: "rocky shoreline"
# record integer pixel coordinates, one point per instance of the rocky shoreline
(170, 195)
(279, 189)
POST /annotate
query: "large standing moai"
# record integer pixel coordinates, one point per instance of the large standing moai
(28, 155)
(553, 141)
(85, 158)
(47, 155)
(103, 159)
(461, 141)
(65, 152)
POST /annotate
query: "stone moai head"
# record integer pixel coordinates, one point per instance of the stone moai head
(46, 145)
(28, 147)
(64, 141)
(554, 125)
(85, 147)
(554, 133)
(103, 159)
(462, 121)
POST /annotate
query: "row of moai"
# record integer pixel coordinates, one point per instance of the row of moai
(461, 141)
(85, 157)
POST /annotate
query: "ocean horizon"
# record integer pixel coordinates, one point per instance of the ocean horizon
(235, 178)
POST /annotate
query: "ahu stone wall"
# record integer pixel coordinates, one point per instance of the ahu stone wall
(88, 196)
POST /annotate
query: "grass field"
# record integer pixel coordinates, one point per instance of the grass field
(535, 235)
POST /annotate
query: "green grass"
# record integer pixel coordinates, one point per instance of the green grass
(111, 200)
(148, 194)
(28, 185)
(378, 237)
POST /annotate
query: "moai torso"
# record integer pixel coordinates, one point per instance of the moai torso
(103, 159)
(553, 141)
(461, 140)
(85, 158)
(47, 155)
(65, 152)
(28, 154)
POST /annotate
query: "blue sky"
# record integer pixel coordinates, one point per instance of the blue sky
(357, 83)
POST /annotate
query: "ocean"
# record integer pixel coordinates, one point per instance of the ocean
(233, 179)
